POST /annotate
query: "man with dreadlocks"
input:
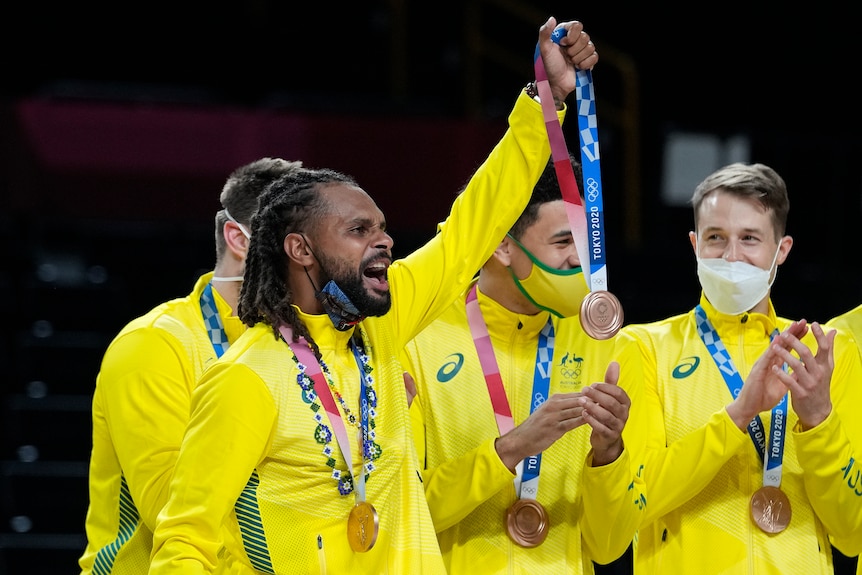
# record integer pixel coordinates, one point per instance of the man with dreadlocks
(299, 457)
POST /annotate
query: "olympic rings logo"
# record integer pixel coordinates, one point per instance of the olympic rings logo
(538, 400)
(592, 189)
(570, 373)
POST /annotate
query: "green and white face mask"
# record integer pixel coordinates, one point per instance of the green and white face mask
(557, 291)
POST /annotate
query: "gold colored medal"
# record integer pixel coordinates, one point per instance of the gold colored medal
(362, 525)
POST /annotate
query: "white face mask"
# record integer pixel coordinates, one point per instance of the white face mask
(247, 235)
(734, 287)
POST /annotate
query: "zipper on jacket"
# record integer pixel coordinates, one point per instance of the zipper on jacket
(321, 555)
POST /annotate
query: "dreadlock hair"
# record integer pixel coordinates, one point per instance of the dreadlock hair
(290, 204)
(547, 189)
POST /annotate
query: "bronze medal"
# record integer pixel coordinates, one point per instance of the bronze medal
(770, 509)
(601, 314)
(527, 522)
(362, 527)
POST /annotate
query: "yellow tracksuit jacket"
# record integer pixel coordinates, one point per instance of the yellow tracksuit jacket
(593, 511)
(140, 412)
(702, 470)
(851, 323)
(252, 431)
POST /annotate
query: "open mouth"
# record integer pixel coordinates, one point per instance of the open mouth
(376, 275)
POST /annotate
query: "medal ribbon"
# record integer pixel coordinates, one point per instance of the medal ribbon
(527, 471)
(541, 388)
(592, 244)
(772, 457)
(312, 368)
(488, 361)
(212, 321)
(363, 418)
(773, 463)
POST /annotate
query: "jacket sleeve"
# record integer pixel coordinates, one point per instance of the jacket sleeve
(144, 394)
(474, 477)
(615, 495)
(697, 457)
(229, 433)
(430, 278)
(831, 453)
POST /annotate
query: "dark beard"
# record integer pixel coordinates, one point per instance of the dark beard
(353, 288)
(367, 304)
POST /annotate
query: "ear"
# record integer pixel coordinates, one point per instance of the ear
(692, 237)
(784, 249)
(503, 253)
(235, 239)
(297, 250)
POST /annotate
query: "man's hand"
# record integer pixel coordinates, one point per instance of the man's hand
(574, 50)
(606, 410)
(410, 386)
(549, 422)
(810, 376)
(767, 382)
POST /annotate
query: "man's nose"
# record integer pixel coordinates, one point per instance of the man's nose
(572, 259)
(385, 241)
(731, 252)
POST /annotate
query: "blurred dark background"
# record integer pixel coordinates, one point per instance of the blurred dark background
(119, 124)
